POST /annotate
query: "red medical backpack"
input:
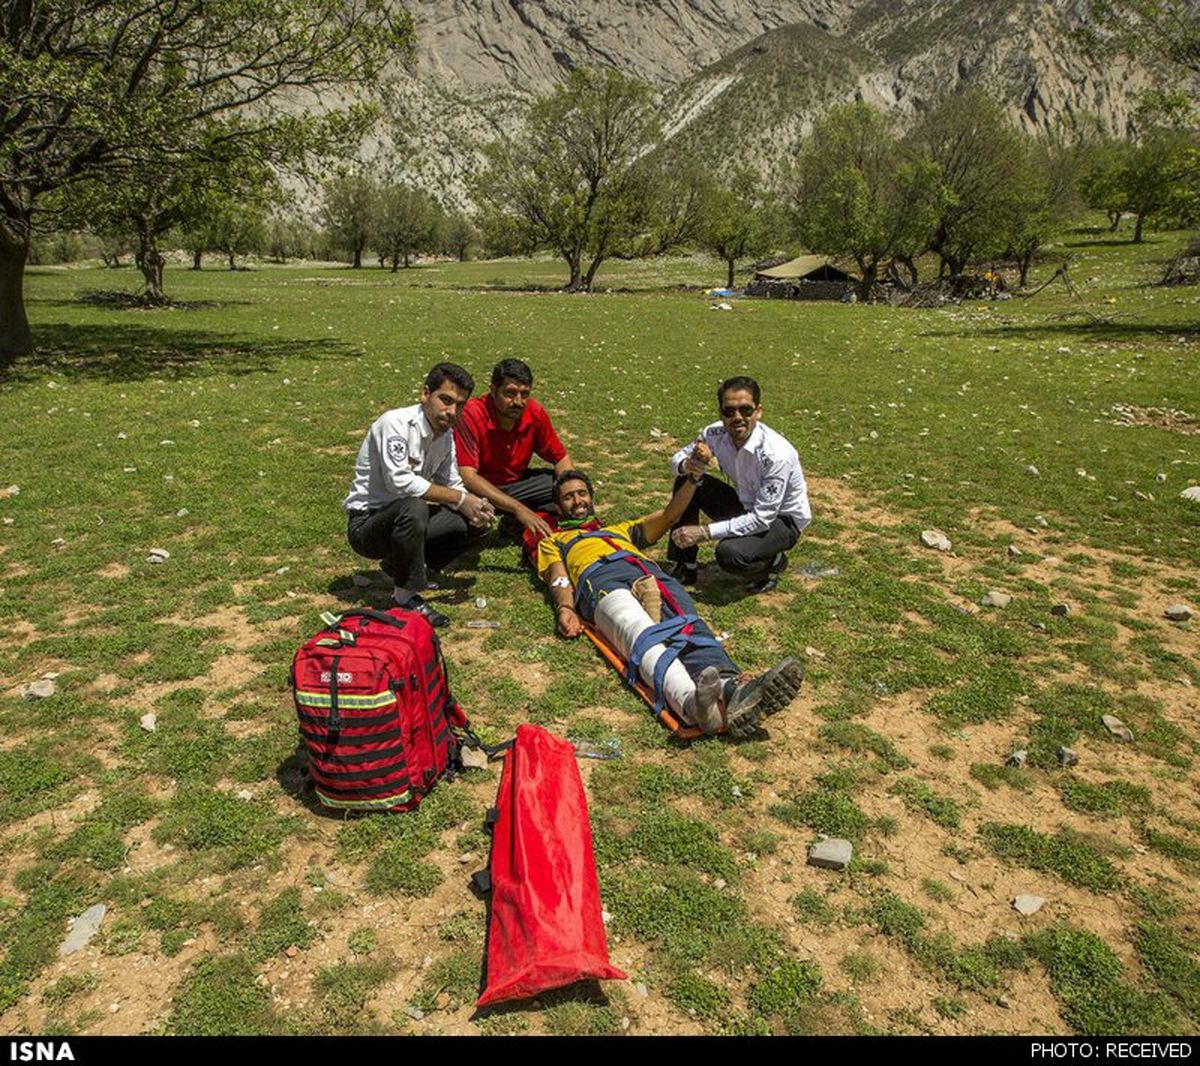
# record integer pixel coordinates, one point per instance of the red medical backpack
(375, 710)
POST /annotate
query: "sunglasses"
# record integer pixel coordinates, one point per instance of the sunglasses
(746, 410)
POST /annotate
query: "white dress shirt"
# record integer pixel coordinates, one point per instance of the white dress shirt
(765, 472)
(400, 456)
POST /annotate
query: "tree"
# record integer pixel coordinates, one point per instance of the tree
(576, 180)
(460, 236)
(1101, 168)
(406, 221)
(738, 223)
(1164, 29)
(90, 88)
(237, 229)
(973, 146)
(859, 193)
(1160, 180)
(1041, 201)
(349, 212)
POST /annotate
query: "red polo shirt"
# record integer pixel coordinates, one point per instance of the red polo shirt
(503, 455)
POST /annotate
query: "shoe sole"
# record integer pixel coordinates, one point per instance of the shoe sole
(778, 690)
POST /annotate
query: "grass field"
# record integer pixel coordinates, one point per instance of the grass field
(223, 430)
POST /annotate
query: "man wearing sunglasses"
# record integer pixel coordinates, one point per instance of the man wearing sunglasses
(760, 513)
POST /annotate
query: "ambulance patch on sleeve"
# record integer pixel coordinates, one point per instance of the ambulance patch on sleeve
(773, 488)
(397, 449)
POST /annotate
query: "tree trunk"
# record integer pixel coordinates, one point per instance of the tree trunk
(382, 260)
(150, 262)
(729, 264)
(15, 338)
(1024, 262)
(395, 263)
(197, 258)
(576, 279)
(357, 264)
(232, 264)
(1137, 229)
(407, 260)
(462, 254)
(592, 271)
(868, 281)
(1114, 221)
(910, 267)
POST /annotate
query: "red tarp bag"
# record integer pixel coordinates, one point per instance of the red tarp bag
(546, 927)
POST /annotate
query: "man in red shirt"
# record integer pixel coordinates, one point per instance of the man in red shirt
(496, 438)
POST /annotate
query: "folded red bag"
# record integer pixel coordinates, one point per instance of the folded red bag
(546, 927)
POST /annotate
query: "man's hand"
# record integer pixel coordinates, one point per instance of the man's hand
(476, 510)
(532, 520)
(694, 465)
(569, 623)
(689, 536)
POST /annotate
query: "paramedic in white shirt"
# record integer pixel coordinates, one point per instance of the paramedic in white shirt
(759, 515)
(406, 484)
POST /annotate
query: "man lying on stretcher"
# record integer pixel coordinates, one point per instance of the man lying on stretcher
(598, 573)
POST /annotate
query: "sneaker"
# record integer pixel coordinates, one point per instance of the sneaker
(706, 707)
(687, 574)
(432, 615)
(751, 701)
(769, 583)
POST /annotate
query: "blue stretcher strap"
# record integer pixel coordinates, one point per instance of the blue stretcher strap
(659, 633)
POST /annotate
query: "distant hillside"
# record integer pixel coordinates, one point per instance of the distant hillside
(740, 81)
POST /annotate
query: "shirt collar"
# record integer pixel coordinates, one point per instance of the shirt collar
(423, 423)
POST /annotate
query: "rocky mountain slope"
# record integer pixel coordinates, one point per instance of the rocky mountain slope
(741, 81)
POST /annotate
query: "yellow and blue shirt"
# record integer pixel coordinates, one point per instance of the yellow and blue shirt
(620, 536)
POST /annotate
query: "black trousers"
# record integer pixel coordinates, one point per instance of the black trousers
(535, 489)
(749, 557)
(408, 534)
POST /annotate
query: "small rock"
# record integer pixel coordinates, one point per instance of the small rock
(1179, 612)
(1014, 552)
(719, 883)
(245, 795)
(40, 689)
(361, 581)
(625, 1023)
(415, 1013)
(996, 598)
(735, 792)
(1040, 520)
(1192, 493)
(166, 443)
(1032, 470)
(183, 512)
(283, 570)
(442, 1001)
(474, 758)
(1061, 610)
(1067, 756)
(1160, 477)
(59, 542)
(641, 989)
(12, 490)
(831, 854)
(605, 917)
(292, 951)
(813, 653)
(149, 722)
(467, 857)
(113, 1008)
(158, 555)
(1017, 758)
(122, 436)
(935, 538)
(1027, 905)
(1004, 1002)
(83, 929)
(1117, 728)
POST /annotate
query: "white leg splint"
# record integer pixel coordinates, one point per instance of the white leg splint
(620, 618)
